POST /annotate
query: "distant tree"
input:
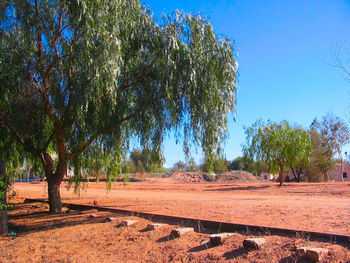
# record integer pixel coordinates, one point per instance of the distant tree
(128, 167)
(244, 163)
(191, 165)
(298, 166)
(238, 164)
(328, 137)
(220, 165)
(146, 160)
(341, 62)
(179, 166)
(79, 73)
(277, 145)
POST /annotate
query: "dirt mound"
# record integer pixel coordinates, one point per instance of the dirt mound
(194, 177)
(238, 176)
(232, 176)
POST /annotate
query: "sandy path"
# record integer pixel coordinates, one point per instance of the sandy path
(316, 207)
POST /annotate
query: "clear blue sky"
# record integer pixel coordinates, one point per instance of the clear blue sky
(284, 55)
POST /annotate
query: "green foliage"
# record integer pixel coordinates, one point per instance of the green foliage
(157, 169)
(277, 145)
(328, 136)
(75, 74)
(219, 165)
(146, 160)
(128, 167)
(191, 165)
(188, 166)
(246, 164)
(179, 166)
(11, 159)
(238, 164)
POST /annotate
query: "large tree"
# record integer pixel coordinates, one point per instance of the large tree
(328, 137)
(277, 145)
(76, 74)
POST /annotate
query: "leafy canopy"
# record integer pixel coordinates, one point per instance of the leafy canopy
(328, 136)
(277, 145)
(75, 74)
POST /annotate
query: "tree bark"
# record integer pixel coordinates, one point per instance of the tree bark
(3, 212)
(54, 180)
(54, 197)
(281, 175)
(3, 219)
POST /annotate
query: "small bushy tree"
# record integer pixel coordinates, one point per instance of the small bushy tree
(328, 137)
(219, 165)
(277, 145)
(179, 167)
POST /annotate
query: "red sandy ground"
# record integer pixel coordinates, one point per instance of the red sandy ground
(323, 207)
(73, 237)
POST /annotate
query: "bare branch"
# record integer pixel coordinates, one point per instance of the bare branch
(339, 63)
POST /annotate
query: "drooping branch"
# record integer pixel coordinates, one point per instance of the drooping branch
(26, 145)
(105, 130)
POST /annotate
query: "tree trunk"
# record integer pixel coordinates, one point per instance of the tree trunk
(54, 180)
(3, 219)
(3, 211)
(281, 175)
(54, 196)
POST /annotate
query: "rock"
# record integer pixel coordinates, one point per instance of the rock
(110, 219)
(178, 232)
(128, 222)
(154, 226)
(205, 241)
(217, 239)
(93, 216)
(311, 253)
(253, 243)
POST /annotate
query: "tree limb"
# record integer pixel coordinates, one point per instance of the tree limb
(27, 146)
(98, 134)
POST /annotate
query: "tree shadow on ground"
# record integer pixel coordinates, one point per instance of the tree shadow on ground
(146, 229)
(36, 221)
(291, 259)
(235, 253)
(165, 238)
(239, 188)
(199, 248)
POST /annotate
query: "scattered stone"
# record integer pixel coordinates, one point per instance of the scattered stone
(128, 222)
(217, 239)
(312, 254)
(178, 232)
(205, 241)
(253, 243)
(93, 216)
(110, 219)
(155, 226)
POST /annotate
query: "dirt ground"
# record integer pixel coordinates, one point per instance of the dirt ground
(323, 207)
(74, 237)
